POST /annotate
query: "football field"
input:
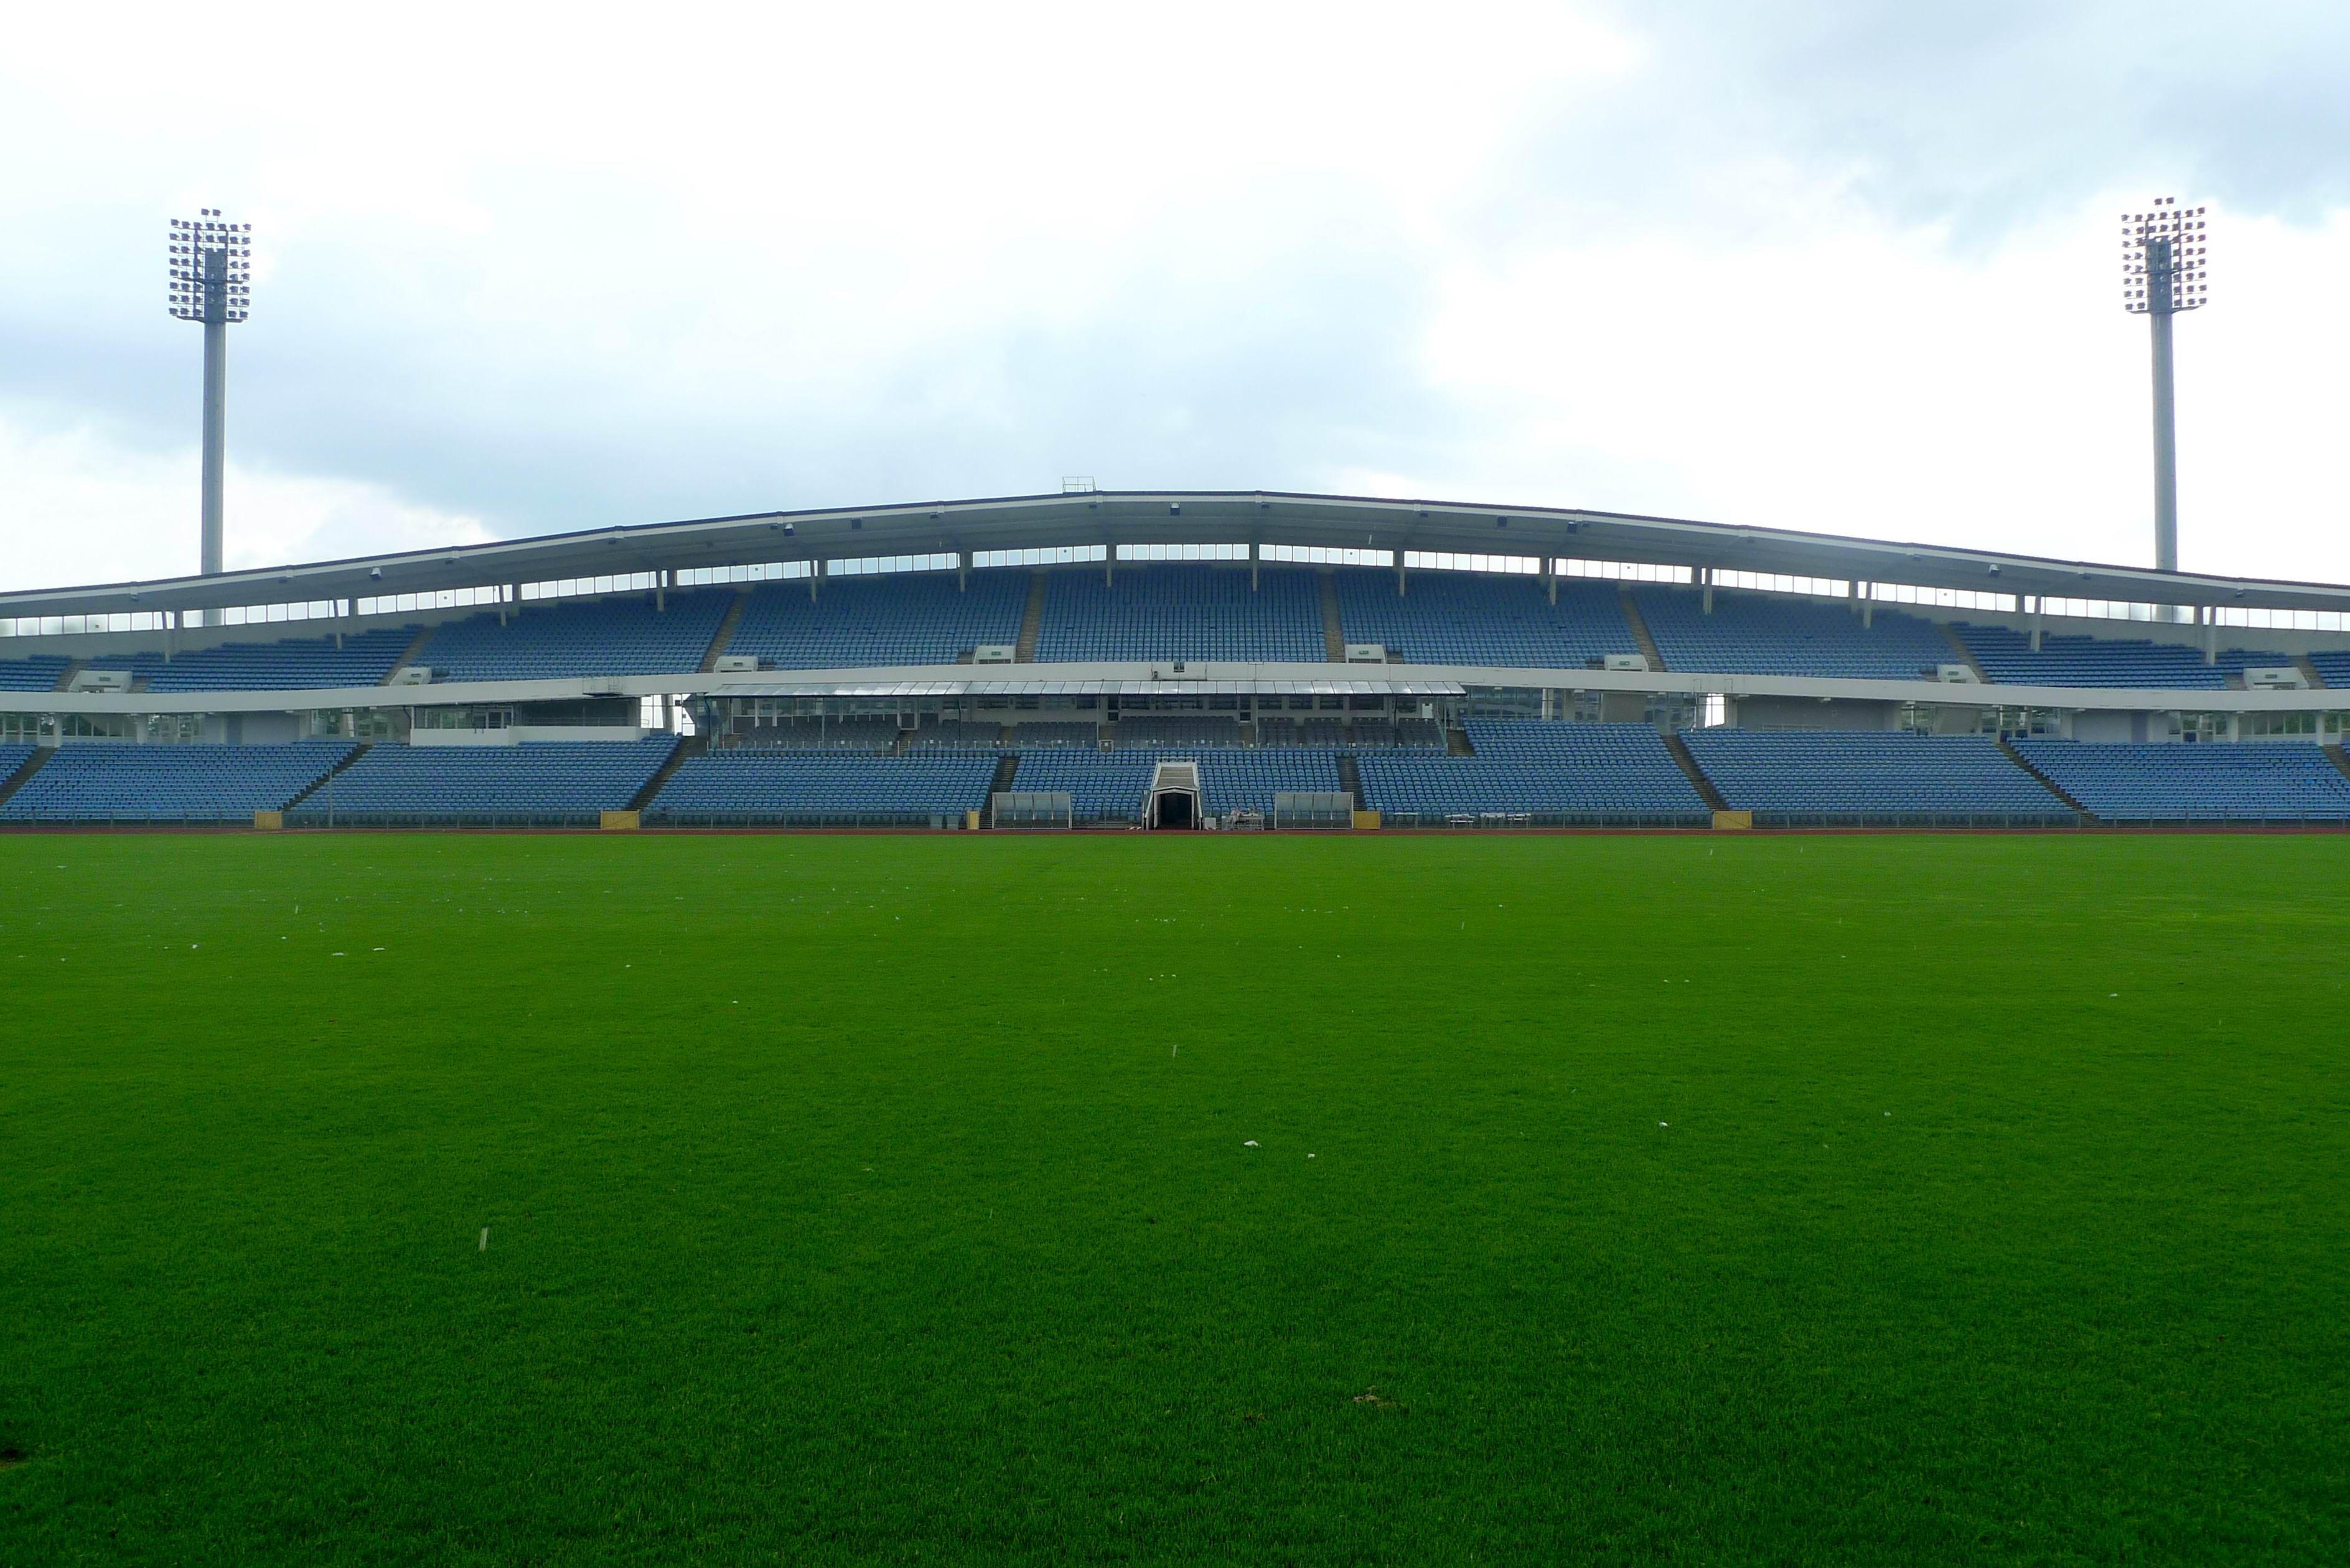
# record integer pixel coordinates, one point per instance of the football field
(442, 1198)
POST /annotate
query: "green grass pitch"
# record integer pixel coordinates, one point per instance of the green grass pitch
(1106, 1199)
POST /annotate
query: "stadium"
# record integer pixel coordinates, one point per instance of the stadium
(1181, 661)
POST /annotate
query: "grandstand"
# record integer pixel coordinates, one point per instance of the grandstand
(896, 665)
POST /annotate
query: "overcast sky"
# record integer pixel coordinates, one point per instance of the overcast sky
(1835, 266)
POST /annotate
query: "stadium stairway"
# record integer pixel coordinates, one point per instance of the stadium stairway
(725, 633)
(2046, 783)
(408, 655)
(1702, 784)
(1032, 620)
(1648, 644)
(1456, 742)
(691, 746)
(24, 771)
(1006, 766)
(1964, 654)
(320, 783)
(2309, 671)
(1350, 779)
(1334, 635)
(66, 676)
(2333, 754)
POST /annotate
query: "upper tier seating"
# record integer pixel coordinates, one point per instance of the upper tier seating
(847, 734)
(1560, 772)
(118, 781)
(2262, 780)
(1472, 617)
(297, 663)
(960, 735)
(1801, 776)
(2072, 660)
(1778, 634)
(549, 783)
(1177, 729)
(2333, 669)
(39, 673)
(750, 787)
(1029, 736)
(1182, 612)
(905, 618)
(549, 639)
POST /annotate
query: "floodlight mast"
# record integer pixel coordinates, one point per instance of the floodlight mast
(2162, 274)
(212, 267)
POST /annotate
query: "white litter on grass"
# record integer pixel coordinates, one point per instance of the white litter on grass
(1249, 1144)
(1309, 1157)
(485, 1238)
(336, 955)
(1664, 1124)
(376, 950)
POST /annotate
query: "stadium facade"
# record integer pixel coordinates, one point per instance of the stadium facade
(1179, 657)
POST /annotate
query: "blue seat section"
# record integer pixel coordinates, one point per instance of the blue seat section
(555, 640)
(14, 754)
(295, 663)
(552, 783)
(1557, 773)
(2262, 780)
(1100, 785)
(899, 618)
(1473, 618)
(117, 781)
(749, 785)
(2006, 655)
(1849, 776)
(1778, 634)
(2333, 669)
(1248, 780)
(844, 734)
(1170, 612)
(1161, 731)
(39, 673)
(959, 735)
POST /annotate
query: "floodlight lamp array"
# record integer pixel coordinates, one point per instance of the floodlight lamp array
(211, 268)
(2163, 267)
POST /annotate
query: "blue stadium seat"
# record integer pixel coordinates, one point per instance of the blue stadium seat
(548, 640)
(293, 664)
(2006, 655)
(1110, 786)
(746, 786)
(2333, 668)
(902, 618)
(120, 782)
(543, 783)
(39, 673)
(1555, 773)
(1803, 777)
(2256, 781)
(1172, 611)
(1472, 617)
(1779, 634)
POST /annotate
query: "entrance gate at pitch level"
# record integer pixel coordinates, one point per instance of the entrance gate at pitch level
(1174, 797)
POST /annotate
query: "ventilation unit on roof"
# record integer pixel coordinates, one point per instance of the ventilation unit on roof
(2276, 678)
(411, 675)
(1366, 653)
(1627, 661)
(737, 664)
(101, 681)
(995, 653)
(1954, 675)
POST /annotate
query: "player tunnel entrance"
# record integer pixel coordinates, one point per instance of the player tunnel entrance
(1174, 801)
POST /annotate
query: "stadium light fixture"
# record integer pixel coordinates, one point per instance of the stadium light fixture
(212, 284)
(2164, 273)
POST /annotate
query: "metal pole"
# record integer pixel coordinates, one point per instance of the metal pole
(2165, 449)
(216, 425)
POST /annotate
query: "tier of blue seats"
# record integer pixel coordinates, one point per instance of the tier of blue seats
(1470, 617)
(960, 735)
(117, 781)
(546, 782)
(1100, 784)
(14, 754)
(2006, 655)
(1779, 635)
(1177, 611)
(1565, 773)
(748, 786)
(1110, 785)
(39, 673)
(2279, 781)
(1180, 730)
(296, 663)
(1805, 775)
(858, 734)
(2333, 669)
(555, 640)
(904, 617)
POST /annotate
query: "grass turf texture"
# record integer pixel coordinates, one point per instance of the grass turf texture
(891, 1198)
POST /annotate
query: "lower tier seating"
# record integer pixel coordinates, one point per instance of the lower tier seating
(117, 781)
(1793, 778)
(747, 785)
(1110, 786)
(14, 754)
(2279, 781)
(545, 784)
(1524, 770)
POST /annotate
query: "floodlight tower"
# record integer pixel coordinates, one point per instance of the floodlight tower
(2162, 274)
(212, 267)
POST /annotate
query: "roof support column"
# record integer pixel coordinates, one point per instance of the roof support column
(1252, 589)
(661, 591)
(963, 570)
(1549, 578)
(1399, 556)
(1867, 606)
(815, 570)
(1705, 576)
(2039, 606)
(2211, 634)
